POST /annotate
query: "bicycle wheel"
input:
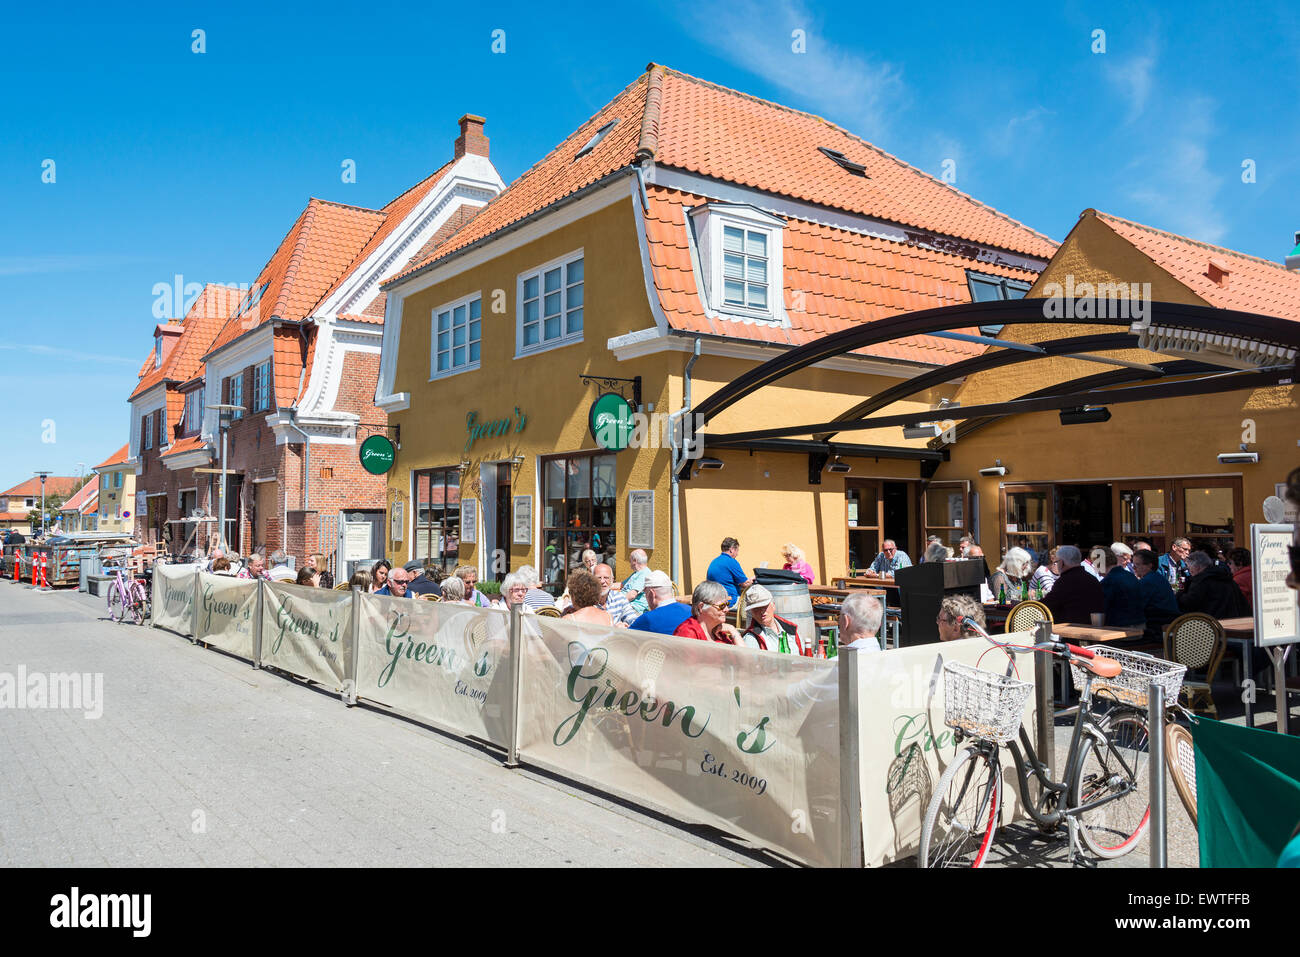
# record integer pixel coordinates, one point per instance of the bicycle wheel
(1106, 768)
(962, 817)
(114, 602)
(137, 604)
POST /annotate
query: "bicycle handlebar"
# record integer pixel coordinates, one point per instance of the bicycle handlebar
(1055, 647)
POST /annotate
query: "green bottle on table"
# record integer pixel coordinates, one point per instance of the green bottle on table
(783, 643)
(1002, 593)
(831, 651)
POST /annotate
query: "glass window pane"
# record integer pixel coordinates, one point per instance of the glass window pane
(732, 238)
(757, 269)
(574, 270)
(552, 280)
(459, 317)
(984, 291)
(1209, 511)
(530, 288)
(758, 296)
(552, 327)
(735, 292)
(476, 309)
(442, 361)
(530, 334)
(458, 356)
(473, 351)
(733, 266)
(553, 493)
(1028, 512)
(756, 243)
(474, 330)
(574, 296)
(574, 322)
(578, 492)
(444, 318)
(553, 304)
(458, 337)
(444, 340)
(531, 311)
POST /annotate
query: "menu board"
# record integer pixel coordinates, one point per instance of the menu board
(1277, 617)
(641, 519)
(398, 523)
(523, 520)
(469, 520)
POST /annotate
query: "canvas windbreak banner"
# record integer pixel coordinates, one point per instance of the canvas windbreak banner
(173, 597)
(904, 745)
(744, 740)
(226, 616)
(444, 663)
(307, 631)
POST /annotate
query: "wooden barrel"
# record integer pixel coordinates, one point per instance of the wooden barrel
(793, 603)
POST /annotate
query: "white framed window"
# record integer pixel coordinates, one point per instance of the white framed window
(550, 301)
(262, 386)
(746, 276)
(117, 480)
(237, 393)
(148, 430)
(157, 351)
(741, 260)
(193, 411)
(456, 336)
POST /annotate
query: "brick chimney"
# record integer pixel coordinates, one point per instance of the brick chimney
(471, 139)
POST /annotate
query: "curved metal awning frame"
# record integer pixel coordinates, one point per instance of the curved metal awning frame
(1087, 390)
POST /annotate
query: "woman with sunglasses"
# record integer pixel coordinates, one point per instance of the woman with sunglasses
(708, 621)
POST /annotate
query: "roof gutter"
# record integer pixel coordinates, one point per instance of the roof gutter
(573, 197)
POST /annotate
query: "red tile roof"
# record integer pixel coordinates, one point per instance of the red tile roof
(54, 485)
(117, 458)
(840, 278)
(315, 253)
(87, 496)
(1250, 284)
(686, 123)
(200, 326)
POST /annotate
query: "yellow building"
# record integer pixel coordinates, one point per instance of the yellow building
(679, 239)
(116, 493)
(1155, 470)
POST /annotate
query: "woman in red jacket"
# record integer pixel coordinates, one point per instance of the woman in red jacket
(708, 621)
(1239, 565)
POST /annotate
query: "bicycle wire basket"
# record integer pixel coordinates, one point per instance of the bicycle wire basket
(1130, 685)
(983, 704)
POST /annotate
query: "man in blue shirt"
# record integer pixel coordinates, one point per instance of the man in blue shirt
(1159, 604)
(726, 570)
(666, 612)
(1174, 562)
(890, 559)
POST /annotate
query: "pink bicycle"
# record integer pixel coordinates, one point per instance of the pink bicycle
(127, 596)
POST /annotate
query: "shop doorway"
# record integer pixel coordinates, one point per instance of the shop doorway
(878, 509)
(1085, 515)
(504, 525)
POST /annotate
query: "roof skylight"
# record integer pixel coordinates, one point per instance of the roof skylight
(596, 138)
(857, 169)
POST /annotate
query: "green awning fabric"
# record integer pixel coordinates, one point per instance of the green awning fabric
(1247, 793)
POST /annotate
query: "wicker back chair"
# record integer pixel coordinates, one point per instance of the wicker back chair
(551, 612)
(1025, 615)
(1180, 755)
(1196, 640)
(432, 597)
(342, 586)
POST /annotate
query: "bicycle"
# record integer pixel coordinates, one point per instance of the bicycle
(127, 596)
(1102, 798)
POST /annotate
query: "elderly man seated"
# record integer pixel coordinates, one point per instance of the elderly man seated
(859, 622)
(1210, 589)
(768, 631)
(666, 612)
(1076, 595)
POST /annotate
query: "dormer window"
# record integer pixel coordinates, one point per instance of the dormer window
(741, 260)
(993, 289)
(250, 301)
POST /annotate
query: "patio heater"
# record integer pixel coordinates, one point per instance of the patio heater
(43, 476)
(225, 415)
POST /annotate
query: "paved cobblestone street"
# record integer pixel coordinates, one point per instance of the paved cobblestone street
(277, 772)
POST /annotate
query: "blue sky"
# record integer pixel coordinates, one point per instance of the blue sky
(171, 162)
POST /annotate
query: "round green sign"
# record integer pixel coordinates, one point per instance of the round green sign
(377, 454)
(610, 421)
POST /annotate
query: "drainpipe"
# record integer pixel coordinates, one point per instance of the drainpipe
(678, 455)
(306, 461)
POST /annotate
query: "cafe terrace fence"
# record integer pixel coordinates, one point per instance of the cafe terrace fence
(786, 752)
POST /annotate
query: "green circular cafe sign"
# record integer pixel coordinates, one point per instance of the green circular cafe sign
(377, 454)
(610, 421)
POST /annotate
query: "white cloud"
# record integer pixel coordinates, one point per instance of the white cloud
(1132, 77)
(847, 88)
(1176, 185)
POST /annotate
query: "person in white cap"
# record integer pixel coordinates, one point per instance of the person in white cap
(666, 612)
(767, 630)
(1123, 556)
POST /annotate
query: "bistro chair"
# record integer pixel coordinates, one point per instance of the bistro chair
(432, 597)
(342, 586)
(551, 612)
(1180, 755)
(1196, 640)
(1025, 615)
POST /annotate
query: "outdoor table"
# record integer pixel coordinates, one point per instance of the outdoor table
(1102, 633)
(996, 615)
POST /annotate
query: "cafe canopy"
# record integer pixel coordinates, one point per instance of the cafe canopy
(1206, 350)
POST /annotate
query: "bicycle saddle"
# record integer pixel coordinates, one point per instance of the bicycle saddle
(1101, 667)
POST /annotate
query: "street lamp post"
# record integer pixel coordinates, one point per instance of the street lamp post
(225, 413)
(43, 476)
